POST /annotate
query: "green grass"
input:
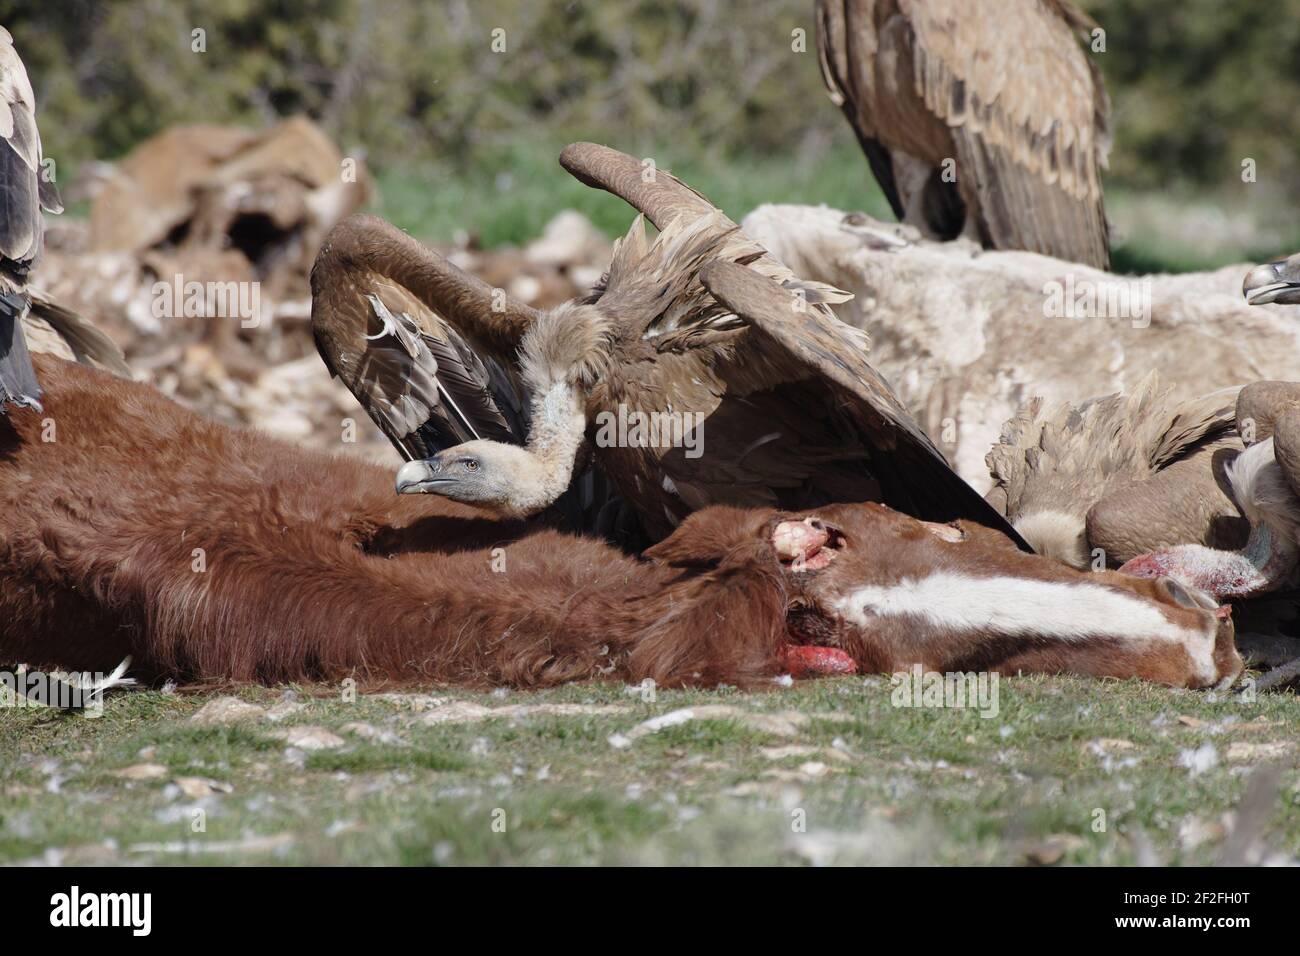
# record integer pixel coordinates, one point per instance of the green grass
(507, 198)
(861, 782)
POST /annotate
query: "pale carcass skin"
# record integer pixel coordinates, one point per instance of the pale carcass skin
(962, 336)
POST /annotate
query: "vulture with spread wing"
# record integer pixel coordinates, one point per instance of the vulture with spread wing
(1125, 473)
(700, 371)
(26, 191)
(978, 117)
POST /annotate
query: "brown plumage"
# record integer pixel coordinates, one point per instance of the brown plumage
(1127, 473)
(26, 187)
(785, 407)
(1265, 483)
(999, 91)
(207, 553)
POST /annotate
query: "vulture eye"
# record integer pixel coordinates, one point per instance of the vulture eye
(471, 464)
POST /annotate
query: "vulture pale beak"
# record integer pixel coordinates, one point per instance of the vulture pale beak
(1275, 282)
(421, 477)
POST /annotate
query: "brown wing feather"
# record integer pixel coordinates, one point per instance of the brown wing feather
(1027, 121)
(1030, 119)
(21, 226)
(414, 374)
(88, 344)
(834, 59)
(913, 473)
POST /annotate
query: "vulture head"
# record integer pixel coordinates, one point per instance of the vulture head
(1274, 282)
(1265, 483)
(506, 479)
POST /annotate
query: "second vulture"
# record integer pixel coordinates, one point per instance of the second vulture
(700, 371)
(982, 118)
(26, 189)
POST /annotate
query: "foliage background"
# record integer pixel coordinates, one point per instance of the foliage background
(711, 87)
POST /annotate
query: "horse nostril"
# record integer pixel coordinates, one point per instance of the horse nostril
(816, 523)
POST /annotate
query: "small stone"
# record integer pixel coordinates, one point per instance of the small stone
(196, 788)
(307, 737)
(142, 771)
(227, 710)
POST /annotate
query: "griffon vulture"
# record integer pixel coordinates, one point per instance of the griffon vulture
(26, 191)
(1265, 480)
(978, 117)
(763, 398)
(1127, 474)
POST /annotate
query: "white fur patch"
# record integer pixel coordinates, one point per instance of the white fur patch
(1057, 535)
(1023, 606)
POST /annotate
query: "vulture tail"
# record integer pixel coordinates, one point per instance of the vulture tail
(89, 345)
(18, 384)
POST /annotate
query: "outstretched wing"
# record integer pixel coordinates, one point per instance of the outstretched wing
(413, 373)
(913, 474)
(88, 345)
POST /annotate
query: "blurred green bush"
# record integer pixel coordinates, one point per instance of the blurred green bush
(1198, 85)
(461, 106)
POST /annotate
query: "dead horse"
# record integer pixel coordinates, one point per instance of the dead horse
(132, 526)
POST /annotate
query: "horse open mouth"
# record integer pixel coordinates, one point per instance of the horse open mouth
(803, 546)
(807, 545)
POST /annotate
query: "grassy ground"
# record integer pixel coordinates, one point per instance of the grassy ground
(509, 199)
(1068, 771)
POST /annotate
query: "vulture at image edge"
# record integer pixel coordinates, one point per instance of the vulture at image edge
(25, 193)
(1265, 482)
(495, 403)
(1001, 87)
(1126, 473)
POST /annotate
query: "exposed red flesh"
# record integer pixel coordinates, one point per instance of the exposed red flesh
(811, 660)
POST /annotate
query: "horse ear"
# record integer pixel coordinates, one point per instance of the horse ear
(710, 535)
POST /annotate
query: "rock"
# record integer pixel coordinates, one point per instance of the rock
(227, 710)
(142, 771)
(1106, 745)
(308, 737)
(198, 787)
(1240, 750)
(1051, 850)
(1198, 761)
(370, 732)
(781, 723)
(1194, 832)
(284, 709)
(464, 711)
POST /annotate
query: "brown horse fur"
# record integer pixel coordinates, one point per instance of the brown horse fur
(129, 525)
